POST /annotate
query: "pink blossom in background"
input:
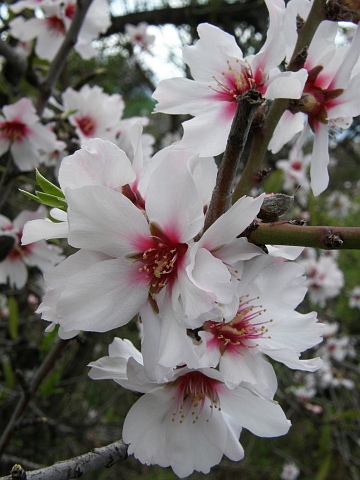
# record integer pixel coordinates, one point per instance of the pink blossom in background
(93, 112)
(13, 269)
(354, 297)
(22, 133)
(50, 28)
(139, 36)
(290, 471)
(338, 204)
(324, 278)
(296, 174)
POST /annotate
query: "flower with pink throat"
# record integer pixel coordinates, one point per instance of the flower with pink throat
(13, 268)
(190, 415)
(22, 133)
(329, 101)
(221, 74)
(266, 323)
(94, 113)
(139, 36)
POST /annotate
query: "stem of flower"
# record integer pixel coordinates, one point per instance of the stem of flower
(247, 104)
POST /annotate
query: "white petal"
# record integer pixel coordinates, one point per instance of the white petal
(43, 230)
(104, 220)
(102, 297)
(98, 162)
(261, 416)
(320, 160)
(172, 200)
(232, 223)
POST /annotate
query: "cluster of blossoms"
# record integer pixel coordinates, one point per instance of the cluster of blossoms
(52, 22)
(212, 306)
(208, 304)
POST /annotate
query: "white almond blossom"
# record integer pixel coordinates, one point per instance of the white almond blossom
(266, 323)
(221, 74)
(189, 420)
(22, 133)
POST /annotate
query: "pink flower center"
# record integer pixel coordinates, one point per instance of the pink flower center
(14, 131)
(18, 251)
(316, 278)
(296, 165)
(236, 81)
(55, 25)
(70, 10)
(241, 332)
(87, 125)
(193, 390)
(161, 260)
(138, 38)
(316, 101)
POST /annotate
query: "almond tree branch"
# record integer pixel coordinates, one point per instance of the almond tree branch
(58, 63)
(262, 136)
(247, 104)
(76, 467)
(26, 396)
(253, 13)
(327, 238)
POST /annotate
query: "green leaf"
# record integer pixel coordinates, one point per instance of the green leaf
(47, 186)
(13, 326)
(30, 195)
(51, 200)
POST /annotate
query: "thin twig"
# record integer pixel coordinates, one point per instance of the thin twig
(25, 398)
(58, 63)
(247, 104)
(76, 467)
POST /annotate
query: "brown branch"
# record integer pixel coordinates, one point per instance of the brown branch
(26, 396)
(58, 63)
(327, 238)
(254, 13)
(76, 467)
(247, 104)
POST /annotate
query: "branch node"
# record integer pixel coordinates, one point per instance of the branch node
(77, 472)
(334, 240)
(17, 472)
